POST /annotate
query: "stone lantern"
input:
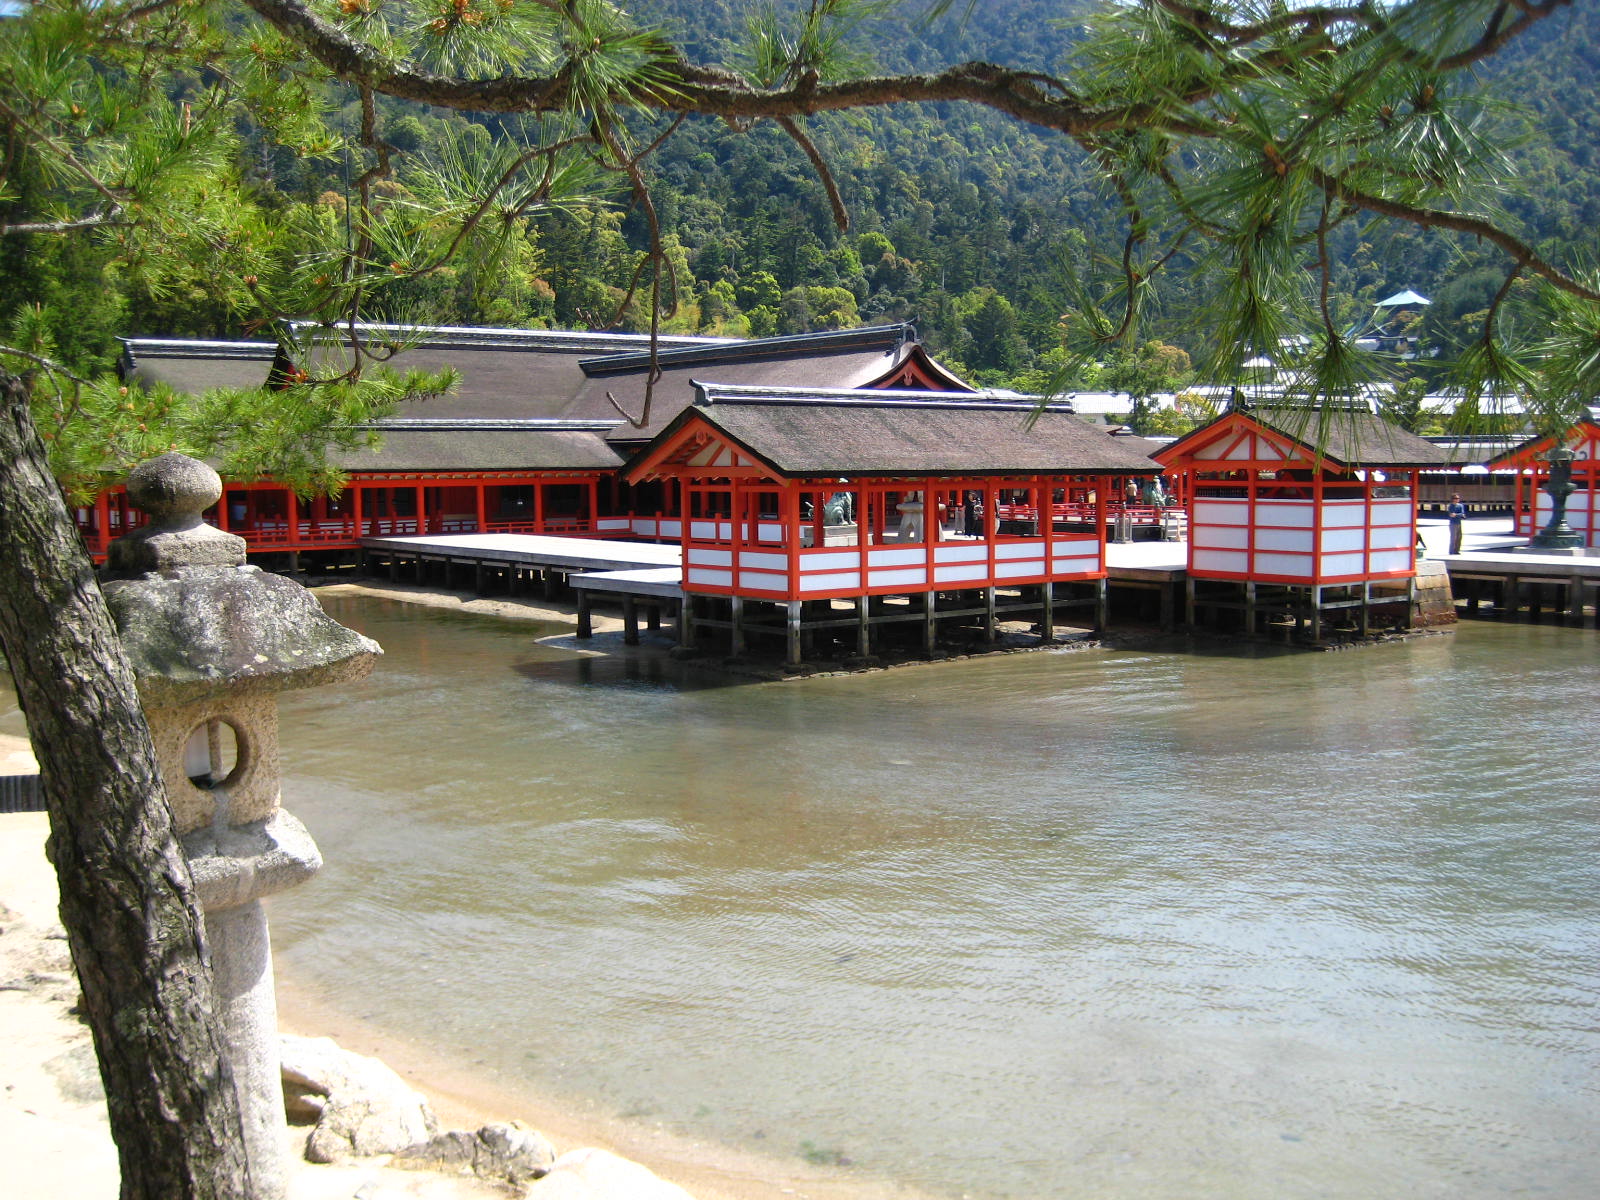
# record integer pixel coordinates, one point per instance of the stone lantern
(211, 642)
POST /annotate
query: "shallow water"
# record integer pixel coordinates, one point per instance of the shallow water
(1096, 924)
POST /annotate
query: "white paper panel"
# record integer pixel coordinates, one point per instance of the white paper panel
(1342, 539)
(1228, 562)
(825, 560)
(1293, 541)
(1336, 565)
(764, 561)
(956, 573)
(707, 577)
(762, 581)
(950, 552)
(1284, 566)
(1293, 514)
(1033, 548)
(891, 556)
(1219, 537)
(830, 581)
(913, 579)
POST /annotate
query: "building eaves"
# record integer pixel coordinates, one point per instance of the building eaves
(888, 337)
(545, 340)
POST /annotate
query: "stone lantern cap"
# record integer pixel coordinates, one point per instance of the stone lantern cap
(195, 619)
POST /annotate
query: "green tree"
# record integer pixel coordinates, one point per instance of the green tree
(1403, 406)
(1143, 373)
(813, 309)
(992, 339)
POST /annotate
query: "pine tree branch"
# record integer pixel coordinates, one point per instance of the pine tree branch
(110, 219)
(1523, 254)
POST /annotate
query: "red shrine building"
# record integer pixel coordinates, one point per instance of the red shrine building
(808, 513)
(530, 441)
(1532, 506)
(1300, 514)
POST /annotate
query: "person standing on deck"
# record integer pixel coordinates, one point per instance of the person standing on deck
(1457, 512)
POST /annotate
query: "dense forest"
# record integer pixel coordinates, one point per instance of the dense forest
(974, 227)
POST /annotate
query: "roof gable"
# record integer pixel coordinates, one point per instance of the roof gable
(694, 445)
(918, 371)
(1584, 438)
(1306, 436)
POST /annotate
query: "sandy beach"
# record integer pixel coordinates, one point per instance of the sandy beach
(52, 1116)
(53, 1126)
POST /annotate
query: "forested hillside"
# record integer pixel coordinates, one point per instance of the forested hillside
(963, 221)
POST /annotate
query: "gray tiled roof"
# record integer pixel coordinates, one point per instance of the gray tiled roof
(877, 433)
(501, 448)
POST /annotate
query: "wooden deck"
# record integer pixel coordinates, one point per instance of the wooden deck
(1493, 571)
(645, 578)
(532, 550)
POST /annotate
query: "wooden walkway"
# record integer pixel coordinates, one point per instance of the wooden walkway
(1511, 581)
(1492, 571)
(646, 577)
(568, 554)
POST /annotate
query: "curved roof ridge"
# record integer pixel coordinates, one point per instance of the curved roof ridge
(890, 337)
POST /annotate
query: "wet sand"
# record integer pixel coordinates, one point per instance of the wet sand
(516, 608)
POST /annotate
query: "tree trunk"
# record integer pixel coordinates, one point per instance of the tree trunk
(127, 901)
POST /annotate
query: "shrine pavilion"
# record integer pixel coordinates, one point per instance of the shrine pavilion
(1299, 513)
(810, 513)
(1530, 461)
(530, 440)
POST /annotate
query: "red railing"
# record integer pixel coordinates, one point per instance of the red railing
(1082, 513)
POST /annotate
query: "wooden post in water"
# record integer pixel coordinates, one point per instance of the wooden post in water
(792, 631)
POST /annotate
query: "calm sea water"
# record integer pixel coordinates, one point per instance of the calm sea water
(1104, 924)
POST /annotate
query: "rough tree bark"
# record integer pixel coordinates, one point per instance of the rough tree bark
(127, 902)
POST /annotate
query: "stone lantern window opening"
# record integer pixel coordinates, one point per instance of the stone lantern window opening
(216, 754)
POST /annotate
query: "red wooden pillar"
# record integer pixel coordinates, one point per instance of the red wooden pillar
(1369, 519)
(483, 519)
(422, 508)
(684, 503)
(1047, 524)
(991, 523)
(355, 511)
(102, 524)
(1100, 515)
(293, 503)
(594, 494)
(789, 515)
